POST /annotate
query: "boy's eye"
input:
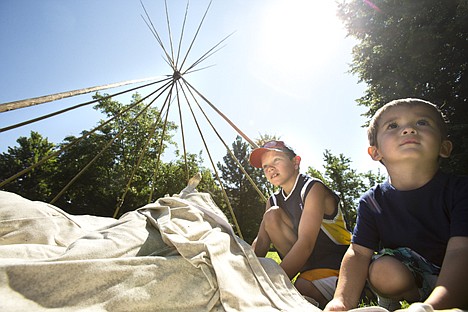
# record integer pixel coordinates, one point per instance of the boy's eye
(422, 122)
(274, 163)
(392, 125)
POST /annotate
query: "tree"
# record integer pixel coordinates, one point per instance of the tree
(97, 189)
(247, 204)
(172, 178)
(414, 49)
(35, 184)
(115, 168)
(346, 182)
(264, 137)
(132, 154)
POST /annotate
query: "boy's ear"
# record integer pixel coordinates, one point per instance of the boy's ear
(445, 149)
(374, 153)
(297, 161)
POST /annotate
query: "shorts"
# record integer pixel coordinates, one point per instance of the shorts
(425, 273)
(323, 279)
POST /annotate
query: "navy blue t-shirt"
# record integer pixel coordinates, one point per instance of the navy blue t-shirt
(422, 219)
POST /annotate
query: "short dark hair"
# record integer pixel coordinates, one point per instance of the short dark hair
(374, 123)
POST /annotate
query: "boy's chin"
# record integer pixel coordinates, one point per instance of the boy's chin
(274, 182)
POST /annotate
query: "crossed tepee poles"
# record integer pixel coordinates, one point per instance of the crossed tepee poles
(170, 88)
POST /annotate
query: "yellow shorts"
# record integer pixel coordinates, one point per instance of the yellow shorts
(323, 279)
(317, 274)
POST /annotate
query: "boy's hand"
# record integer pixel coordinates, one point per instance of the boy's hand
(335, 305)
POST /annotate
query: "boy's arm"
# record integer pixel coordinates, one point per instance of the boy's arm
(309, 227)
(353, 274)
(261, 243)
(450, 290)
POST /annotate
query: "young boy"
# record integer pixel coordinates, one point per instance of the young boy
(417, 220)
(303, 221)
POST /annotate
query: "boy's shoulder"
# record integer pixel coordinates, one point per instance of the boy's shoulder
(449, 180)
(447, 184)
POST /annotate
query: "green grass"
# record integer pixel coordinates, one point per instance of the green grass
(274, 255)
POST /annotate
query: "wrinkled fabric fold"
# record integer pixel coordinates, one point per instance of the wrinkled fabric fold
(172, 255)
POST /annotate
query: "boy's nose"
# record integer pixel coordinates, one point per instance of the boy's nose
(409, 130)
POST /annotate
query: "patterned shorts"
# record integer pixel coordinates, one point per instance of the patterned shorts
(425, 273)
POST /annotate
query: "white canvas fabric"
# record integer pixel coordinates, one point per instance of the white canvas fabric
(177, 254)
(415, 307)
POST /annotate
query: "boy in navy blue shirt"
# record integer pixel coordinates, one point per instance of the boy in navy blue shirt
(411, 236)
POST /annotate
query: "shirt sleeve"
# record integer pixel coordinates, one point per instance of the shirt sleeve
(459, 211)
(365, 232)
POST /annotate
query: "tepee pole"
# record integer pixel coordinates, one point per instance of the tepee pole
(57, 96)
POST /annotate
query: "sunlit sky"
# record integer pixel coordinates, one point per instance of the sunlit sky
(282, 72)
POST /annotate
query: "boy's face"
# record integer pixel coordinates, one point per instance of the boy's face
(279, 168)
(409, 133)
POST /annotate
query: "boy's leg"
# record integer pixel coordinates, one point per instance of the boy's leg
(401, 274)
(280, 230)
(261, 244)
(319, 284)
(392, 279)
(320, 293)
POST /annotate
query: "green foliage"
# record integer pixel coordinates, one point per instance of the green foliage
(172, 178)
(100, 189)
(35, 184)
(346, 182)
(247, 204)
(318, 175)
(125, 152)
(118, 146)
(414, 49)
(266, 138)
(94, 192)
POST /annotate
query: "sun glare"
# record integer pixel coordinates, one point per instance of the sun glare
(295, 36)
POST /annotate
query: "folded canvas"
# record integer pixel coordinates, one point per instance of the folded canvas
(177, 254)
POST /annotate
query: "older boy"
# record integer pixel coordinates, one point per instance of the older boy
(303, 221)
(417, 220)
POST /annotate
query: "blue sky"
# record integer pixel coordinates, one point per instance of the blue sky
(282, 72)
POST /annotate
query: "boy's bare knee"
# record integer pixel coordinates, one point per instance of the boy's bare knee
(272, 217)
(306, 288)
(273, 210)
(389, 277)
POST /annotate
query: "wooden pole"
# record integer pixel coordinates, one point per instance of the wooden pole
(4, 107)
